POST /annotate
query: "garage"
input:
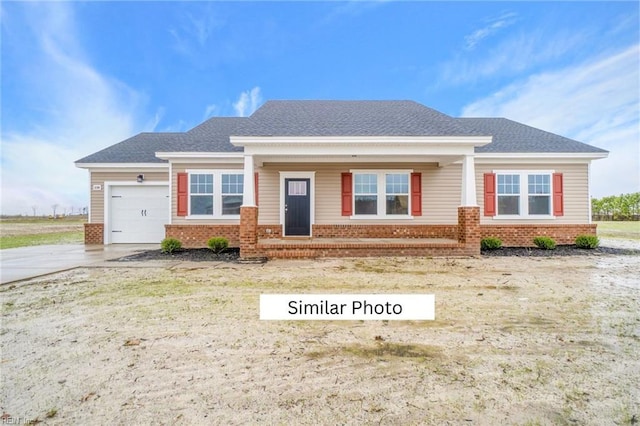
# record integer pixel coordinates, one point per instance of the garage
(138, 213)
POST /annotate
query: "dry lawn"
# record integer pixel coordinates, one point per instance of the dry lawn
(528, 341)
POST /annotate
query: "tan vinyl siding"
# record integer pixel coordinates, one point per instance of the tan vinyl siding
(183, 167)
(576, 192)
(440, 201)
(99, 178)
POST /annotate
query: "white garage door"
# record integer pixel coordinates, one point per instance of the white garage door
(138, 213)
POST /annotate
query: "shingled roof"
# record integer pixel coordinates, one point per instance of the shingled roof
(338, 118)
(353, 118)
(511, 136)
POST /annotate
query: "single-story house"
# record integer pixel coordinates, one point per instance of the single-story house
(342, 178)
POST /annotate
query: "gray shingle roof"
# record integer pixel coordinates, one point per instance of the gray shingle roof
(337, 118)
(511, 136)
(140, 148)
(352, 118)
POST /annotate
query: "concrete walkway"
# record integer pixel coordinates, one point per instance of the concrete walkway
(29, 262)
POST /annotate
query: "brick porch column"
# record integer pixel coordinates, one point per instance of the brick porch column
(469, 229)
(248, 232)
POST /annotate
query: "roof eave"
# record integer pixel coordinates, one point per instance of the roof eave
(81, 165)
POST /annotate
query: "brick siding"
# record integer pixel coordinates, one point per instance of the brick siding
(386, 231)
(196, 236)
(523, 235)
(94, 233)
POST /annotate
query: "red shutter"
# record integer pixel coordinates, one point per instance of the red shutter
(183, 193)
(256, 180)
(558, 195)
(347, 194)
(416, 194)
(489, 194)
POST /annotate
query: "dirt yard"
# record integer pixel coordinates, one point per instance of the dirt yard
(527, 341)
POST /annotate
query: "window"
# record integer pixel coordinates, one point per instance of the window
(215, 193)
(381, 193)
(397, 188)
(508, 194)
(201, 194)
(539, 194)
(366, 194)
(232, 188)
(524, 194)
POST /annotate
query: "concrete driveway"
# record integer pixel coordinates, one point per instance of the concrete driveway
(28, 262)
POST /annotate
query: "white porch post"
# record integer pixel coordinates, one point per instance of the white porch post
(249, 194)
(468, 193)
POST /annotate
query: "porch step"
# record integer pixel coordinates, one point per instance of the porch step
(359, 247)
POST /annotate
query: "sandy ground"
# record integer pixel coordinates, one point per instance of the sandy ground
(515, 341)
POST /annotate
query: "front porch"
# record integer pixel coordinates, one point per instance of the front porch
(466, 241)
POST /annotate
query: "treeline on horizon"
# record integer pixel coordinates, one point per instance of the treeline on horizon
(616, 207)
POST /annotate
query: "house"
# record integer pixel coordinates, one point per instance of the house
(342, 178)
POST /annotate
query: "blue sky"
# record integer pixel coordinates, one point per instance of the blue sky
(78, 77)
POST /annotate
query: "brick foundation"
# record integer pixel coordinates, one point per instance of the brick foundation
(249, 233)
(523, 235)
(94, 233)
(196, 236)
(269, 231)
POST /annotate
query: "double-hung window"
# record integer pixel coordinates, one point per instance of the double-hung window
(215, 193)
(379, 194)
(524, 194)
(201, 198)
(232, 187)
(508, 194)
(539, 194)
(397, 193)
(365, 194)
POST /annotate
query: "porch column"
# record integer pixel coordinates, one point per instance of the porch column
(469, 232)
(249, 194)
(468, 193)
(248, 214)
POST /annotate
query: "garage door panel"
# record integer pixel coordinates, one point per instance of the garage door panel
(139, 213)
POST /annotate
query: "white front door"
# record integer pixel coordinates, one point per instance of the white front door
(138, 213)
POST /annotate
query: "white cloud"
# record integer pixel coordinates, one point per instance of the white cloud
(210, 111)
(84, 111)
(492, 27)
(514, 55)
(597, 102)
(248, 102)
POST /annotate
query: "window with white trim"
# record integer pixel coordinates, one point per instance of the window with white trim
(397, 193)
(201, 196)
(215, 193)
(524, 193)
(232, 188)
(379, 194)
(365, 194)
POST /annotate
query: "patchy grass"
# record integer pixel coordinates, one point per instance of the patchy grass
(627, 230)
(384, 350)
(23, 232)
(13, 241)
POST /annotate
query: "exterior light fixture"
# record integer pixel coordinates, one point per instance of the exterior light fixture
(140, 178)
